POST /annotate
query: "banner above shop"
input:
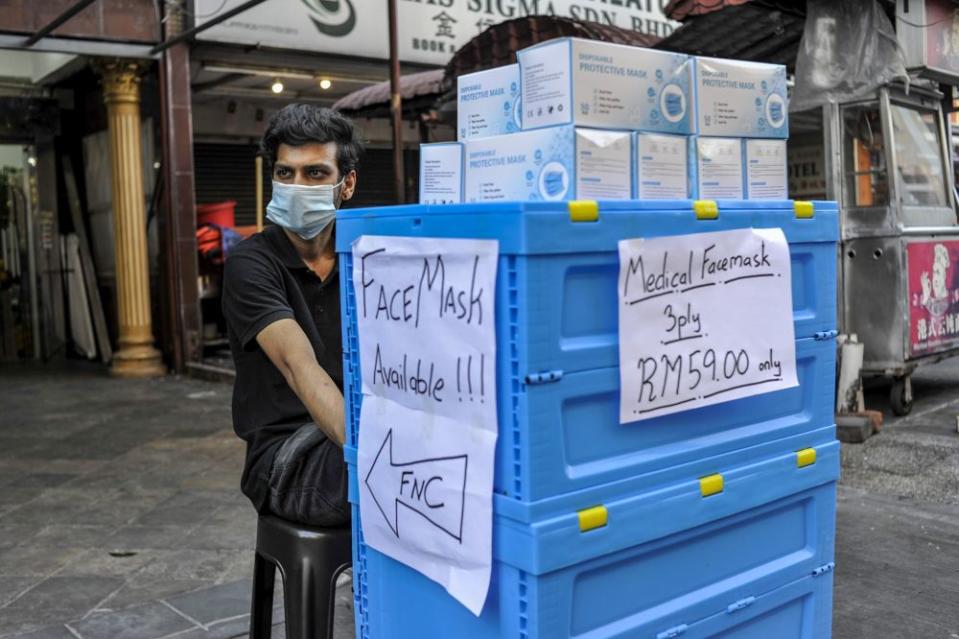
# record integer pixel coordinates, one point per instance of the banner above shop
(430, 31)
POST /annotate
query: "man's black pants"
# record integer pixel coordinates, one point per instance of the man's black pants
(308, 480)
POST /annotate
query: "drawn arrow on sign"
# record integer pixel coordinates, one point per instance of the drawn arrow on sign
(434, 488)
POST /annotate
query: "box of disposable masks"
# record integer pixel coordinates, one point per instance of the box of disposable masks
(716, 168)
(441, 173)
(766, 171)
(603, 85)
(661, 166)
(487, 103)
(740, 99)
(555, 163)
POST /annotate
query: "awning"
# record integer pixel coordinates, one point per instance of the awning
(496, 46)
(758, 30)
(680, 10)
(418, 90)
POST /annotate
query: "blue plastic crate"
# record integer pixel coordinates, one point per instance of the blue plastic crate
(564, 434)
(556, 278)
(753, 560)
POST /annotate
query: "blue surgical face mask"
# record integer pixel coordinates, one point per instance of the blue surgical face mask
(304, 210)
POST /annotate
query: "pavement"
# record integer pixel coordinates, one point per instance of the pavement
(897, 537)
(121, 517)
(120, 510)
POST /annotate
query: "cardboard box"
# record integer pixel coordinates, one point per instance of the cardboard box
(488, 103)
(766, 170)
(716, 167)
(610, 86)
(662, 169)
(441, 173)
(555, 163)
(740, 99)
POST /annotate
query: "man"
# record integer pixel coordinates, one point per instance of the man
(281, 300)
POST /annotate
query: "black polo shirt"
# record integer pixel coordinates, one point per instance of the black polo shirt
(264, 281)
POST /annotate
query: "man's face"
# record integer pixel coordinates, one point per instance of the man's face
(310, 165)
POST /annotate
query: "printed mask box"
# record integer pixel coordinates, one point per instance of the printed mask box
(716, 167)
(740, 99)
(661, 166)
(487, 103)
(603, 85)
(441, 173)
(766, 171)
(555, 163)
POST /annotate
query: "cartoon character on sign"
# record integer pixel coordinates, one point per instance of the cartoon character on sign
(935, 295)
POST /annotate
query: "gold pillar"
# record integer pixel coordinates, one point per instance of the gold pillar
(135, 355)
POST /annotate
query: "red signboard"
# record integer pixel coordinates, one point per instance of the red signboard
(933, 296)
(942, 35)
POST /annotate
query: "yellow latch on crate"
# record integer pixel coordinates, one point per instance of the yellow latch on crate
(583, 210)
(806, 457)
(706, 209)
(711, 485)
(595, 517)
(804, 210)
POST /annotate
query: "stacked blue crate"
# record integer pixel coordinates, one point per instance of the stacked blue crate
(719, 518)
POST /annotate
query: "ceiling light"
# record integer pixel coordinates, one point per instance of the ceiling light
(325, 84)
(32, 161)
(277, 86)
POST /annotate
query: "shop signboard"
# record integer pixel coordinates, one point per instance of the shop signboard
(430, 31)
(928, 33)
(933, 269)
(807, 170)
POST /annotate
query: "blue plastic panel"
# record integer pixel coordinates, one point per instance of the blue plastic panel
(545, 536)
(565, 436)
(741, 567)
(801, 610)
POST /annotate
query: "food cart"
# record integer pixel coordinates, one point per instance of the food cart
(887, 162)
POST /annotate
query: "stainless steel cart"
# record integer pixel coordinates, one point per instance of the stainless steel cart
(887, 160)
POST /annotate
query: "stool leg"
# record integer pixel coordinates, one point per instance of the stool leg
(301, 604)
(331, 609)
(261, 613)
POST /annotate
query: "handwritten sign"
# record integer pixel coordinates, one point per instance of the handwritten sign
(425, 315)
(703, 319)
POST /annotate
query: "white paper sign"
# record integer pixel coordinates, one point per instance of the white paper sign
(703, 319)
(425, 314)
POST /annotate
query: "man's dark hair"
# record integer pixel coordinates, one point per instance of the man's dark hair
(299, 124)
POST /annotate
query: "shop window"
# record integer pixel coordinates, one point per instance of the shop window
(918, 157)
(864, 157)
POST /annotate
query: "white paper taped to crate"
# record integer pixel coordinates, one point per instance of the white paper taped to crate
(425, 317)
(703, 319)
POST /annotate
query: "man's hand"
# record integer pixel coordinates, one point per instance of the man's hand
(288, 347)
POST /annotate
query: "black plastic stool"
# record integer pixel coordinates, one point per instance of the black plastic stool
(310, 559)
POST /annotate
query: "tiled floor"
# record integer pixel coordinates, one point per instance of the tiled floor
(120, 513)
